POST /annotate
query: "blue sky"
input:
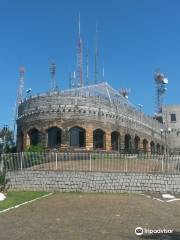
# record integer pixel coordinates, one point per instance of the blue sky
(135, 38)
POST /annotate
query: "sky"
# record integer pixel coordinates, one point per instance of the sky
(135, 37)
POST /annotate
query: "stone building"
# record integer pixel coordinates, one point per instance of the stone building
(91, 117)
(171, 129)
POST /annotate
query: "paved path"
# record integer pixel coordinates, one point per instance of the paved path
(76, 216)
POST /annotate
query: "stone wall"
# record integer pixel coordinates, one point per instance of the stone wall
(93, 181)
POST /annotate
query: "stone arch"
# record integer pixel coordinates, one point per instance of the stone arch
(33, 136)
(145, 145)
(99, 139)
(21, 142)
(115, 141)
(162, 149)
(54, 137)
(158, 148)
(77, 137)
(127, 143)
(137, 143)
(152, 146)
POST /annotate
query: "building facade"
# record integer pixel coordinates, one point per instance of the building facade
(92, 117)
(171, 119)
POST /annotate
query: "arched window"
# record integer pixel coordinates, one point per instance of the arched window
(152, 147)
(115, 141)
(77, 137)
(137, 143)
(162, 149)
(99, 139)
(127, 143)
(54, 137)
(158, 149)
(145, 145)
(34, 136)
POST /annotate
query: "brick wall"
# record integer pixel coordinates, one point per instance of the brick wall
(93, 181)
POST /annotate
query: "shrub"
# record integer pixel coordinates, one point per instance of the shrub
(35, 148)
(3, 181)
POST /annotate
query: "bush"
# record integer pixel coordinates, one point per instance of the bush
(35, 148)
(3, 181)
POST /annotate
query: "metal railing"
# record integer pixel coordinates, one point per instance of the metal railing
(91, 161)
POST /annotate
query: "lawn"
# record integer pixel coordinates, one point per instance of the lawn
(15, 198)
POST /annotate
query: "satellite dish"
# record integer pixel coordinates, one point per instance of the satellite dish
(165, 81)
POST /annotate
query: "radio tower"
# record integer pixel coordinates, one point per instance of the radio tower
(52, 69)
(19, 100)
(96, 58)
(79, 57)
(20, 94)
(160, 81)
(87, 66)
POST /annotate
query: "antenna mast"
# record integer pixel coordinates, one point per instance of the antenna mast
(19, 99)
(160, 82)
(87, 66)
(79, 57)
(96, 58)
(52, 69)
(20, 94)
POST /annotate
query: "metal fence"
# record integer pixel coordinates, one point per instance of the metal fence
(91, 161)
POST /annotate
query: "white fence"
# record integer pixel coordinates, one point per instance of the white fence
(91, 161)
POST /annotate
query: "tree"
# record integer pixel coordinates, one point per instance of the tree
(7, 144)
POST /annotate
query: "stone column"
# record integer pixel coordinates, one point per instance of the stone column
(89, 139)
(65, 139)
(108, 141)
(149, 148)
(26, 140)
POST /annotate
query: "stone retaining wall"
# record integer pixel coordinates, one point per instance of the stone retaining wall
(93, 181)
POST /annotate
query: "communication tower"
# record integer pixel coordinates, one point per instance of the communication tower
(52, 69)
(161, 87)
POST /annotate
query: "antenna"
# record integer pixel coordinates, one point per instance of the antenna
(52, 69)
(87, 66)
(160, 83)
(20, 94)
(79, 56)
(103, 74)
(19, 99)
(125, 92)
(96, 58)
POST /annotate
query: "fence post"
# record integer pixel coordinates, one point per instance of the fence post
(56, 160)
(162, 164)
(126, 167)
(21, 161)
(90, 163)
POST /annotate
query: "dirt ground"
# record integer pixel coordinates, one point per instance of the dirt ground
(81, 216)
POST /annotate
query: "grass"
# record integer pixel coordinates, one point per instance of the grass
(15, 198)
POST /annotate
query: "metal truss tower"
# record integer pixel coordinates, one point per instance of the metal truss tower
(96, 55)
(79, 57)
(52, 69)
(20, 93)
(160, 82)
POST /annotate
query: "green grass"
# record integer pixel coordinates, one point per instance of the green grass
(15, 198)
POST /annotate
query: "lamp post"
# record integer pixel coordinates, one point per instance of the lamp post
(166, 131)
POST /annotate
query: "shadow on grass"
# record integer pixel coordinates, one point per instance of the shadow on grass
(162, 236)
